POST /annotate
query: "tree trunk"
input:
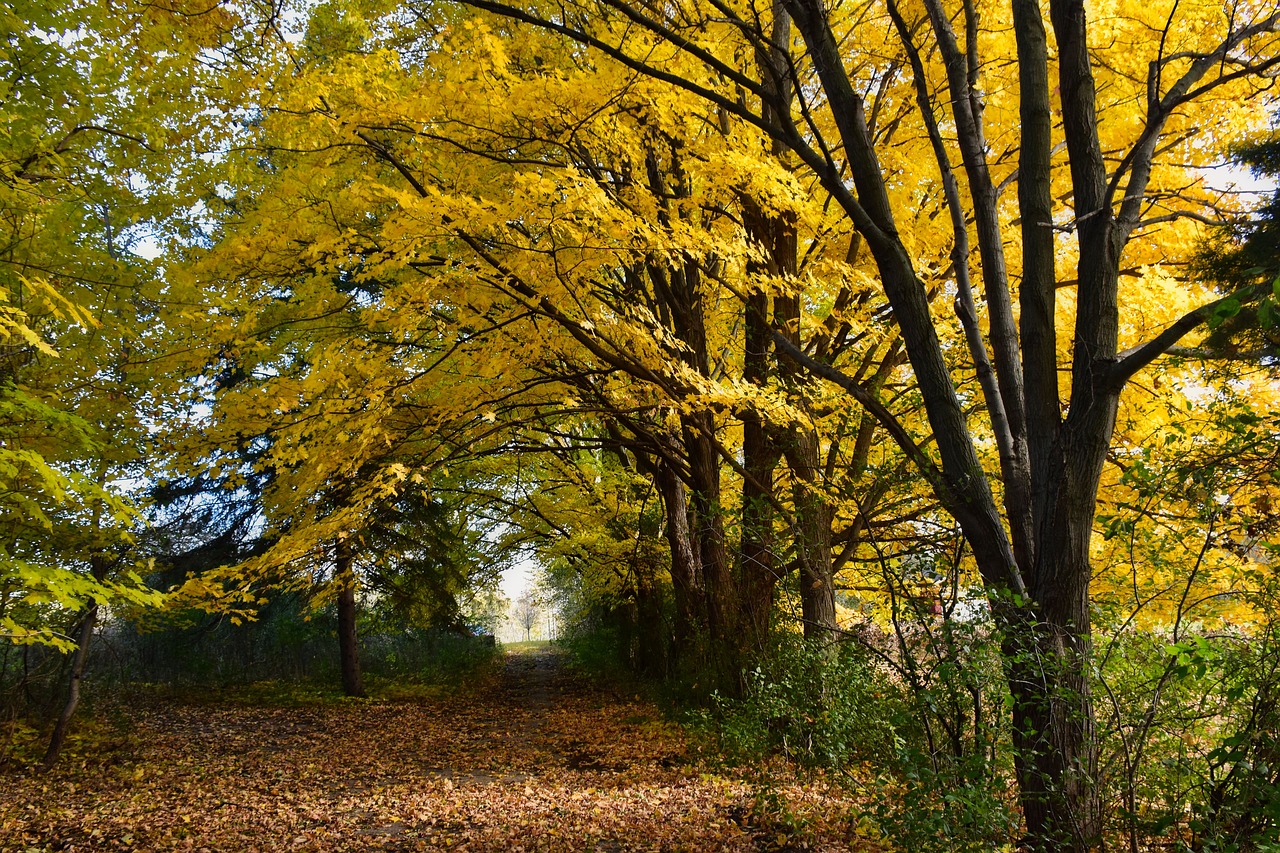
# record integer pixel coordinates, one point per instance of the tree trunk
(1055, 750)
(720, 595)
(689, 650)
(98, 567)
(757, 572)
(813, 514)
(88, 621)
(1047, 655)
(1048, 649)
(686, 574)
(813, 539)
(1036, 605)
(348, 640)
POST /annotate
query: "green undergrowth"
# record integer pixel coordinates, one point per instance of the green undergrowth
(599, 657)
(836, 713)
(101, 734)
(531, 647)
(448, 675)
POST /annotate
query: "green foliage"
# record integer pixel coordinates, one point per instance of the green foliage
(99, 109)
(952, 806)
(594, 650)
(424, 555)
(20, 743)
(426, 657)
(773, 819)
(1192, 731)
(818, 708)
(1248, 253)
(840, 710)
(290, 643)
(1186, 666)
(401, 652)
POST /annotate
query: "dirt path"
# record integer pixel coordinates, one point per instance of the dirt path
(533, 759)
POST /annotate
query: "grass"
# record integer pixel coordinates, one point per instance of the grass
(529, 646)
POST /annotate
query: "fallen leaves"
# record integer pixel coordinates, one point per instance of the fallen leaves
(534, 759)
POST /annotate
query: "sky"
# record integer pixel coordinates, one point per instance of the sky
(517, 579)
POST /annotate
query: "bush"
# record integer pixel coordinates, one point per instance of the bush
(1193, 730)
(956, 805)
(598, 651)
(941, 786)
(817, 708)
(428, 655)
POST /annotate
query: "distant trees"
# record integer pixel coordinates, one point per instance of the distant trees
(527, 612)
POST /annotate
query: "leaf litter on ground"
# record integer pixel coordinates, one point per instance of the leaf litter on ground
(532, 758)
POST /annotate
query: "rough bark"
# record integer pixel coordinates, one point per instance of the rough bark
(776, 235)
(720, 593)
(757, 572)
(813, 519)
(348, 641)
(813, 514)
(686, 574)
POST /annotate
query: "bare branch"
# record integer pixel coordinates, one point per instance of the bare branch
(1134, 359)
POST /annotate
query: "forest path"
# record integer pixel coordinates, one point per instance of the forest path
(532, 758)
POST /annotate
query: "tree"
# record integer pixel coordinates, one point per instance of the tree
(527, 612)
(349, 408)
(1029, 519)
(1246, 254)
(625, 310)
(95, 115)
(616, 249)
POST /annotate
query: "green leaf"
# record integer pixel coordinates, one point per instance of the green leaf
(1267, 314)
(1223, 311)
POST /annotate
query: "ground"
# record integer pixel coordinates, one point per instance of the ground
(531, 758)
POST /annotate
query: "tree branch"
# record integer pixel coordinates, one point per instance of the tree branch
(1134, 359)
